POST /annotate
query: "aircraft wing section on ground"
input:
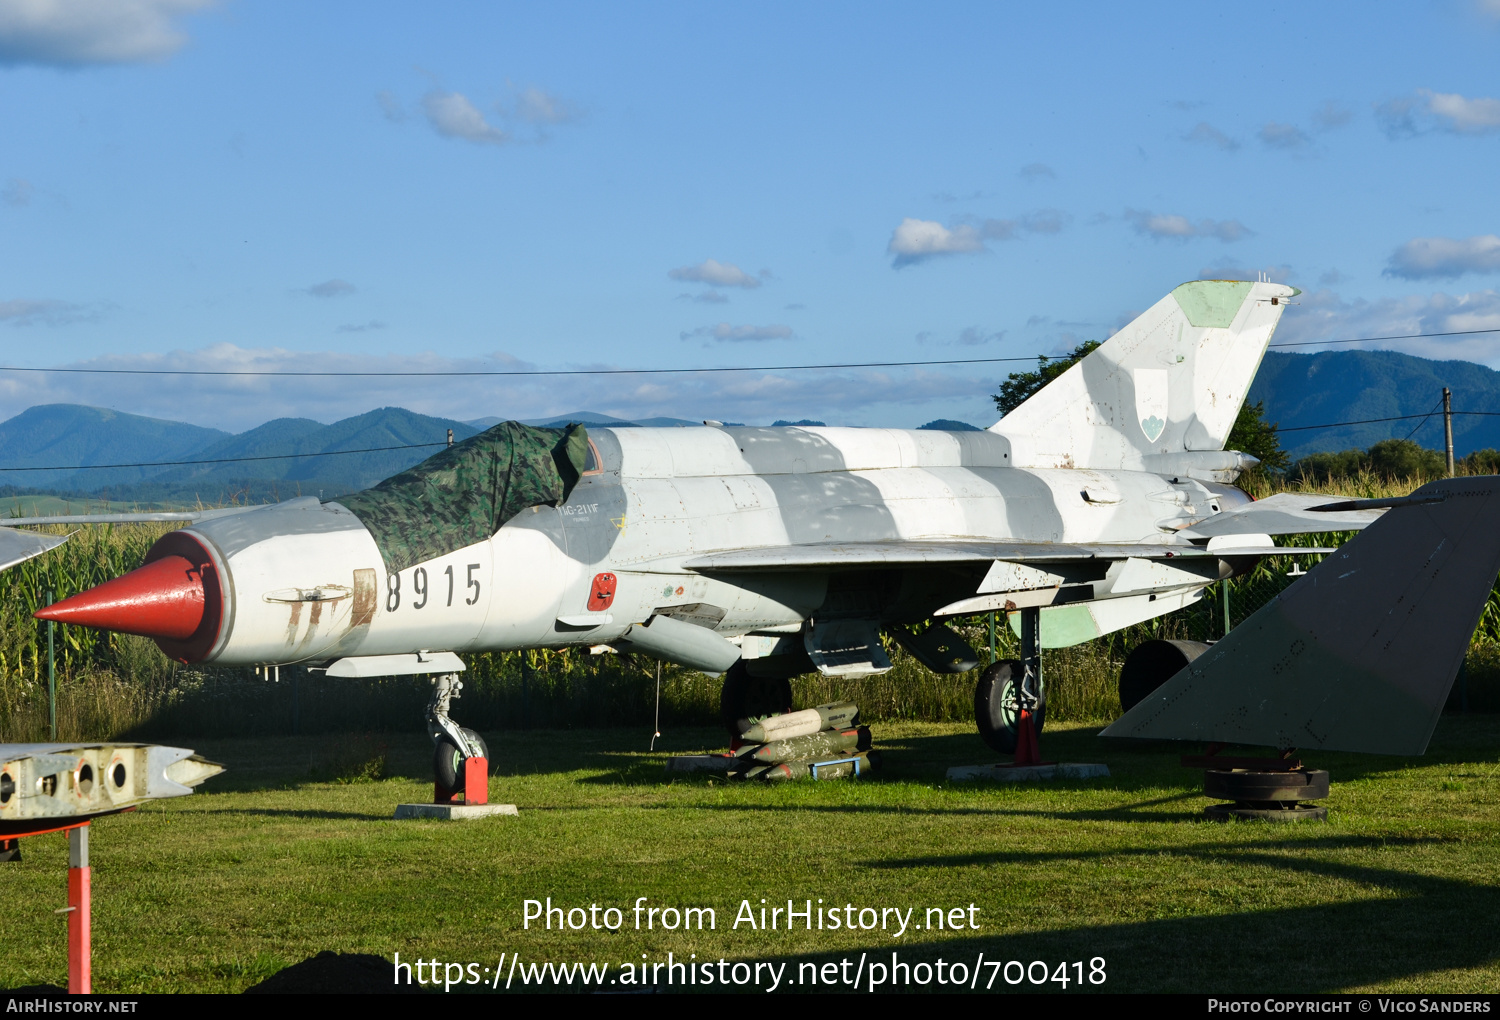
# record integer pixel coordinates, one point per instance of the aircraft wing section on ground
(1286, 513)
(1360, 654)
(852, 555)
(20, 546)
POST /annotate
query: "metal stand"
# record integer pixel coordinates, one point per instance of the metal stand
(1029, 691)
(1265, 789)
(80, 950)
(79, 908)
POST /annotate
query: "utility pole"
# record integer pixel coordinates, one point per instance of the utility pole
(1448, 427)
(450, 434)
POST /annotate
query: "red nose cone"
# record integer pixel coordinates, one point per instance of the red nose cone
(163, 599)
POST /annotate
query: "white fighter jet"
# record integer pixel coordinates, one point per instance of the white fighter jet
(1105, 500)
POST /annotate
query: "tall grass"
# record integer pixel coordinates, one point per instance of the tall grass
(115, 686)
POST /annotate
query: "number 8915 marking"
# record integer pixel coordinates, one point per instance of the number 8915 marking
(420, 589)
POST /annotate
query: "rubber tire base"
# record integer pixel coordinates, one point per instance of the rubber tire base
(1237, 812)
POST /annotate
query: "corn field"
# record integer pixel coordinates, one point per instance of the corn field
(118, 686)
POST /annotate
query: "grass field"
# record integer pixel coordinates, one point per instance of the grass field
(292, 851)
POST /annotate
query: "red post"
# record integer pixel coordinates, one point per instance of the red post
(476, 781)
(1028, 749)
(80, 979)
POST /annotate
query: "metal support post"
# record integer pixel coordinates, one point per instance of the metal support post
(1224, 598)
(525, 694)
(992, 635)
(1029, 694)
(1031, 644)
(80, 979)
(51, 677)
(1448, 427)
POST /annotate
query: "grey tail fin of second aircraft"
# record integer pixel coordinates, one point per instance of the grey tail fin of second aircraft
(1361, 653)
(1168, 384)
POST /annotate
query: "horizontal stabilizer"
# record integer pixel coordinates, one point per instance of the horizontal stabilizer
(1359, 655)
(1286, 513)
(20, 546)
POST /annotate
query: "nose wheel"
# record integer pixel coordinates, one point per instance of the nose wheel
(452, 744)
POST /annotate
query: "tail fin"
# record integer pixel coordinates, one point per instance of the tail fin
(1360, 654)
(1170, 382)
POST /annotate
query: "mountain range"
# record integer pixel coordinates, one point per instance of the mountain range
(291, 454)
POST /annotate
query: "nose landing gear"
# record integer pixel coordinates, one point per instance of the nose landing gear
(454, 747)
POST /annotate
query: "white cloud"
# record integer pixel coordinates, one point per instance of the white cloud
(44, 313)
(707, 297)
(1045, 221)
(360, 327)
(1428, 257)
(973, 336)
(331, 289)
(857, 396)
(715, 274)
(1164, 226)
(1205, 133)
(916, 241)
(16, 192)
(1333, 114)
(969, 336)
(453, 116)
(1488, 8)
(76, 33)
(1466, 116)
(536, 106)
(1430, 111)
(1038, 172)
(740, 334)
(1283, 136)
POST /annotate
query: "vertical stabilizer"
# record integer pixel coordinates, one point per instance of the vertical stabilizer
(1170, 382)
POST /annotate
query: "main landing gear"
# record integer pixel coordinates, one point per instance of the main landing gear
(1010, 700)
(453, 744)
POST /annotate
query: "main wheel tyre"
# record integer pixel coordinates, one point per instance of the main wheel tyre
(1151, 664)
(995, 709)
(448, 761)
(751, 697)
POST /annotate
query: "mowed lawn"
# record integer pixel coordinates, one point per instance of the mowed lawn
(277, 860)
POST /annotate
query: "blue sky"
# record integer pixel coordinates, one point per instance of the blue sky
(401, 187)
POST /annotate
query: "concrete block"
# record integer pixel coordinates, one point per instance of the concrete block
(455, 812)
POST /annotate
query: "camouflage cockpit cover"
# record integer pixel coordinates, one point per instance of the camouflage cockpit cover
(464, 494)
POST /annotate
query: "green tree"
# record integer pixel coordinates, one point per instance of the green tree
(1254, 435)
(1403, 458)
(1015, 390)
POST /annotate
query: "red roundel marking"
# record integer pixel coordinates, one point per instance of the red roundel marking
(603, 592)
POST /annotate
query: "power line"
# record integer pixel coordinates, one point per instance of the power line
(1394, 417)
(526, 372)
(423, 446)
(223, 460)
(1435, 408)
